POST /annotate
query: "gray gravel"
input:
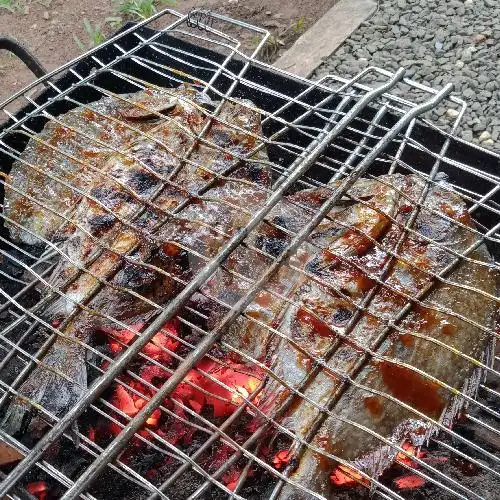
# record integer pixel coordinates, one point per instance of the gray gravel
(437, 41)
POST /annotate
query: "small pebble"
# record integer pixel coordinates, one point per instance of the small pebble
(488, 142)
(46, 15)
(484, 136)
(479, 38)
(467, 53)
(459, 64)
(452, 114)
(467, 135)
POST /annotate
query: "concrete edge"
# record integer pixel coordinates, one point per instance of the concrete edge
(325, 36)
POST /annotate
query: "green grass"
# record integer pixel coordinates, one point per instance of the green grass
(131, 9)
(141, 9)
(7, 4)
(94, 34)
(299, 25)
(271, 47)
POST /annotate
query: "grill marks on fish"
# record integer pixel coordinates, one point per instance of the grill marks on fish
(128, 185)
(72, 148)
(395, 368)
(170, 251)
(312, 323)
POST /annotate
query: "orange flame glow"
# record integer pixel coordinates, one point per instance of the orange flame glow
(282, 459)
(412, 450)
(346, 477)
(38, 489)
(409, 482)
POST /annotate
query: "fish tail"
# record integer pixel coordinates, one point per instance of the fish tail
(55, 385)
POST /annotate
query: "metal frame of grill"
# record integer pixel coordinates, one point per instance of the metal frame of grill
(346, 133)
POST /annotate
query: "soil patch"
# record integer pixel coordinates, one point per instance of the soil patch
(48, 28)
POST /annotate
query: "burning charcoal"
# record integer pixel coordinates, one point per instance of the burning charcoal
(409, 482)
(123, 400)
(412, 450)
(282, 459)
(38, 489)
(294, 341)
(345, 477)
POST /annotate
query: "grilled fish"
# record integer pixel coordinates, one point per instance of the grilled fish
(401, 360)
(166, 251)
(59, 163)
(313, 298)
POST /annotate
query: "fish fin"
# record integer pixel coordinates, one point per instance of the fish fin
(55, 386)
(56, 309)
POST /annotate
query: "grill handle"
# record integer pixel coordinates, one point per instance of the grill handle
(31, 61)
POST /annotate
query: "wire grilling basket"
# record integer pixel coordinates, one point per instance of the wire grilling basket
(175, 406)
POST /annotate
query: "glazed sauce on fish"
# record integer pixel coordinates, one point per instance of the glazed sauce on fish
(411, 388)
(348, 271)
(264, 299)
(426, 319)
(407, 339)
(171, 249)
(373, 405)
(324, 463)
(458, 213)
(448, 328)
(317, 325)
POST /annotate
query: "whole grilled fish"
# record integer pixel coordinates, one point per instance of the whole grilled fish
(166, 250)
(316, 323)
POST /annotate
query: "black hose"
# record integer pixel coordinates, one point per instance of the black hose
(31, 61)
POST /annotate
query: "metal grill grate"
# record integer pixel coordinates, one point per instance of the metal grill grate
(327, 134)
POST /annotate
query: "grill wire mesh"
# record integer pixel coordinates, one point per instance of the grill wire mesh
(348, 132)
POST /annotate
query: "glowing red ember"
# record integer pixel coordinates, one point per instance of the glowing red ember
(118, 337)
(282, 458)
(124, 401)
(38, 489)
(154, 349)
(154, 418)
(346, 477)
(412, 450)
(230, 479)
(409, 482)
(209, 392)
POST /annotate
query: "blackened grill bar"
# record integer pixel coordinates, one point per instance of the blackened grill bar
(296, 117)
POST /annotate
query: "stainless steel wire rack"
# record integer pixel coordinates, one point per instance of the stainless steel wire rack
(325, 134)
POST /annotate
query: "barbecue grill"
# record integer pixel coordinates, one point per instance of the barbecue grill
(325, 133)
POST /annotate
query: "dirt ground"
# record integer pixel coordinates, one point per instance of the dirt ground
(48, 27)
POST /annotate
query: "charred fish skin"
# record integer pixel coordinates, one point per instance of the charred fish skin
(127, 182)
(71, 148)
(400, 374)
(316, 312)
(167, 249)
